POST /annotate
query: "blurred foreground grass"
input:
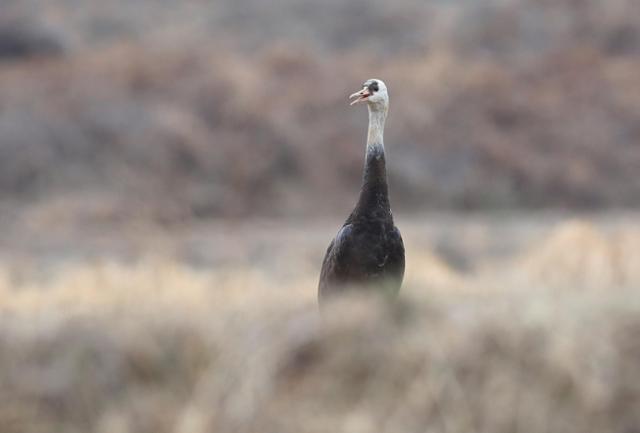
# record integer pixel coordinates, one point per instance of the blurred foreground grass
(543, 338)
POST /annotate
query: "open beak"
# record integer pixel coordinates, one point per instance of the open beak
(360, 96)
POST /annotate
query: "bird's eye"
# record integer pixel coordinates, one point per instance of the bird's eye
(373, 86)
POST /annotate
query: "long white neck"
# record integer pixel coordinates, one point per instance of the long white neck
(375, 137)
(374, 196)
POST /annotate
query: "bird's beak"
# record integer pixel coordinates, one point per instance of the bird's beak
(362, 95)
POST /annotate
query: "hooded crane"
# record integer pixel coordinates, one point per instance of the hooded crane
(368, 251)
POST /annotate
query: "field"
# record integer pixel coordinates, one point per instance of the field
(171, 173)
(506, 323)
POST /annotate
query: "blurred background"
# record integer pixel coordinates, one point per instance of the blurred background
(167, 111)
(164, 115)
(190, 161)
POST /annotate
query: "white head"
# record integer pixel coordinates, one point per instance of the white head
(374, 93)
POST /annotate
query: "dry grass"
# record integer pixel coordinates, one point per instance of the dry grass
(578, 254)
(547, 343)
(126, 126)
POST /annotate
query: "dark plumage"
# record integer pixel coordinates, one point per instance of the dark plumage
(368, 251)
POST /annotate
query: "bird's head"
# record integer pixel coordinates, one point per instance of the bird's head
(374, 93)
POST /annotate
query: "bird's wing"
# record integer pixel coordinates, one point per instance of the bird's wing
(394, 266)
(332, 269)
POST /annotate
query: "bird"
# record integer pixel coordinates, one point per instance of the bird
(367, 253)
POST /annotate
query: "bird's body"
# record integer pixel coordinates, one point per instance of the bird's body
(368, 251)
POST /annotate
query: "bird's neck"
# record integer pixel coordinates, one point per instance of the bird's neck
(375, 135)
(374, 198)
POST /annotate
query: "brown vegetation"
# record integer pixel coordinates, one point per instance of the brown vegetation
(545, 343)
(115, 114)
(184, 361)
(578, 254)
(161, 115)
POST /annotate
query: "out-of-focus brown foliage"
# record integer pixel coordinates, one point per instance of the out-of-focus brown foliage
(177, 110)
(93, 358)
(211, 329)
